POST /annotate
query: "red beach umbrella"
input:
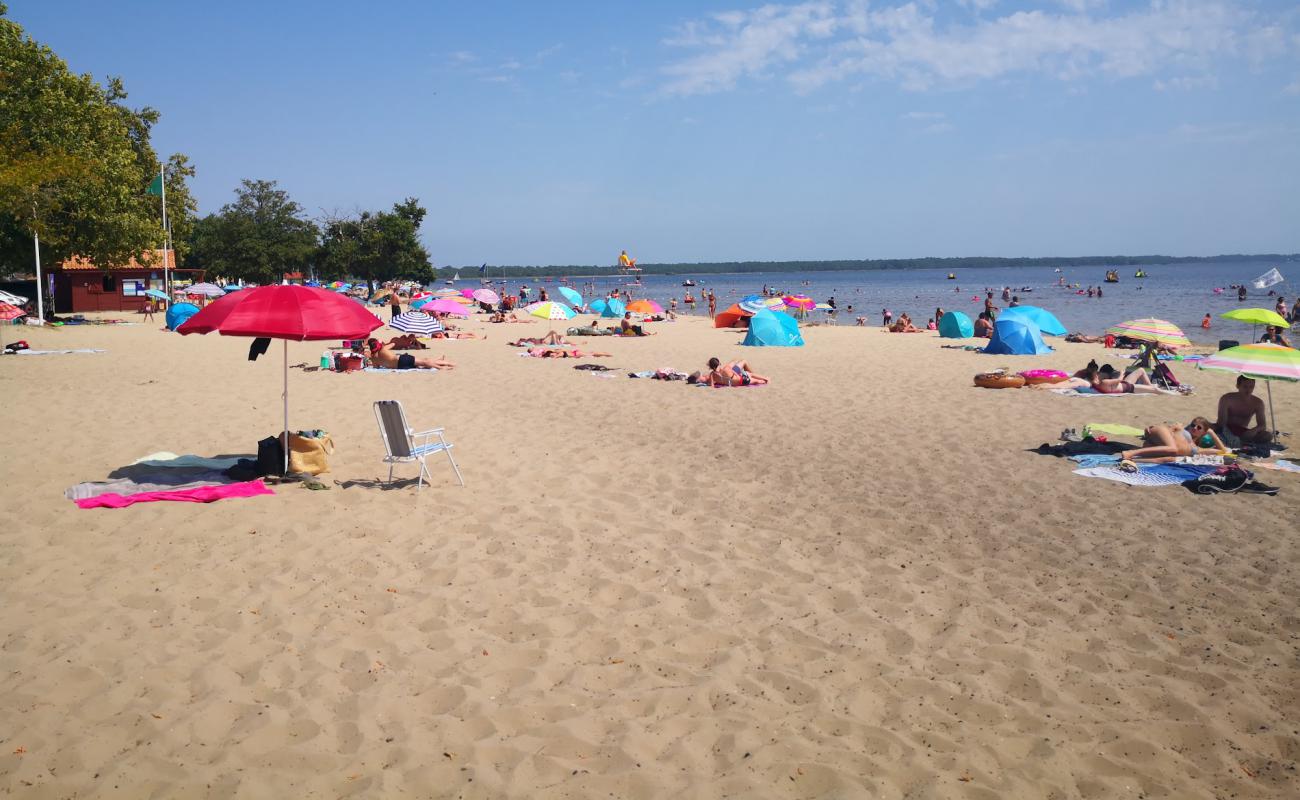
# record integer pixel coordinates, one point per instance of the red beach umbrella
(301, 313)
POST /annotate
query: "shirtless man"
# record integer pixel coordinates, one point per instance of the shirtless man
(383, 355)
(1238, 409)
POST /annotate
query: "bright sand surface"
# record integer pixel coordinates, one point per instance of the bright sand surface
(855, 582)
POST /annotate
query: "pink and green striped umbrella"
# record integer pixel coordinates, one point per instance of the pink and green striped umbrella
(799, 301)
(1266, 360)
(1272, 362)
(1152, 330)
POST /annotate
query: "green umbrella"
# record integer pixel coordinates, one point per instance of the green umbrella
(1256, 316)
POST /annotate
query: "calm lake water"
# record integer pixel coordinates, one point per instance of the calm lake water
(1180, 293)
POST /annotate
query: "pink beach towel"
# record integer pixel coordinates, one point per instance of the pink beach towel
(201, 494)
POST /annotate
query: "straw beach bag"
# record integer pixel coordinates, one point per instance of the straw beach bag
(310, 454)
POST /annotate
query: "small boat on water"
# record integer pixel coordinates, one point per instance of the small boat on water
(952, 276)
(1140, 274)
(1113, 277)
(688, 282)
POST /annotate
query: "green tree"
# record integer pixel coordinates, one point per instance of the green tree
(75, 162)
(377, 246)
(257, 238)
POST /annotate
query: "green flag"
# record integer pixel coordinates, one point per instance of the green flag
(156, 187)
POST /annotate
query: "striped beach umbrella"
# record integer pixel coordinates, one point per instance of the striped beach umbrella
(416, 322)
(800, 301)
(774, 304)
(8, 312)
(1266, 360)
(753, 303)
(205, 289)
(1157, 331)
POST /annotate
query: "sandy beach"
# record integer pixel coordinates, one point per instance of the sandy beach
(854, 582)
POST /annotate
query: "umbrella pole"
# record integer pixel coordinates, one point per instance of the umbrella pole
(1272, 420)
(286, 405)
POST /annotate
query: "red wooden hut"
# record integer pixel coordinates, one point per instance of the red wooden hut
(81, 286)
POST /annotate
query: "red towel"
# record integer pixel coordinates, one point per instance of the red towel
(201, 494)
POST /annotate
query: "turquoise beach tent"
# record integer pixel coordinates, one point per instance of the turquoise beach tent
(1016, 336)
(773, 329)
(1047, 323)
(178, 313)
(608, 307)
(956, 325)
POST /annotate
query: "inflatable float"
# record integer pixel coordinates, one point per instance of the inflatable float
(999, 380)
(1036, 376)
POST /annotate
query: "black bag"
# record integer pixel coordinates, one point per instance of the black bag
(270, 456)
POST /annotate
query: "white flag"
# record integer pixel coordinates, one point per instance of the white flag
(1268, 279)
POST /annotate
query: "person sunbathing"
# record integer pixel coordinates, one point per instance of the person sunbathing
(1137, 383)
(382, 354)
(551, 337)
(407, 342)
(733, 373)
(455, 335)
(1084, 338)
(1165, 442)
(544, 352)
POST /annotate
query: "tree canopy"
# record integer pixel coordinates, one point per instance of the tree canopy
(257, 238)
(75, 162)
(376, 246)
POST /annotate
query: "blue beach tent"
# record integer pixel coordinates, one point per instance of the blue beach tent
(773, 329)
(956, 325)
(1016, 336)
(1047, 323)
(608, 307)
(178, 313)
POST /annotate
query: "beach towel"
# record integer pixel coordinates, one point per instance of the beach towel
(171, 460)
(1092, 393)
(1147, 474)
(54, 352)
(162, 480)
(1281, 465)
(1112, 429)
(1091, 460)
(400, 371)
(201, 494)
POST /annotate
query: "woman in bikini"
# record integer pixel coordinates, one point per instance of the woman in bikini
(1170, 441)
(543, 352)
(551, 337)
(734, 373)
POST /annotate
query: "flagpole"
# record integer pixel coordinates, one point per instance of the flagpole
(167, 236)
(40, 287)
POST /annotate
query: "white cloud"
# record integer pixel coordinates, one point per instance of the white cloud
(462, 57)
(745, 43)
(1292, 88)
(938, 127)
(924, 115)
(917, 46)
(1185, 84)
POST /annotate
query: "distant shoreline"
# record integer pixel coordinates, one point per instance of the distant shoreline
(844, 265)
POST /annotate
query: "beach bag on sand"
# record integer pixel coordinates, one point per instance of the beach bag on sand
(310, 454)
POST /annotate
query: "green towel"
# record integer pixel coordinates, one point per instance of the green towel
(1113, 430)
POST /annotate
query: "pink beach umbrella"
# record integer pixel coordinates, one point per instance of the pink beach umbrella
(486, 296)
(800, 301)
(445, 306)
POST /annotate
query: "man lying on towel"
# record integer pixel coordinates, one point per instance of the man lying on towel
(383, 354)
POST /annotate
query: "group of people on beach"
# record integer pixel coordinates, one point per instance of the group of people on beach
(1239, 422)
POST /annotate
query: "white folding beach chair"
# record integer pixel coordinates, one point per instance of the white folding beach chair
(403, 444)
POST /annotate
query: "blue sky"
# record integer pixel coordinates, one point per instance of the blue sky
(545, 133)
